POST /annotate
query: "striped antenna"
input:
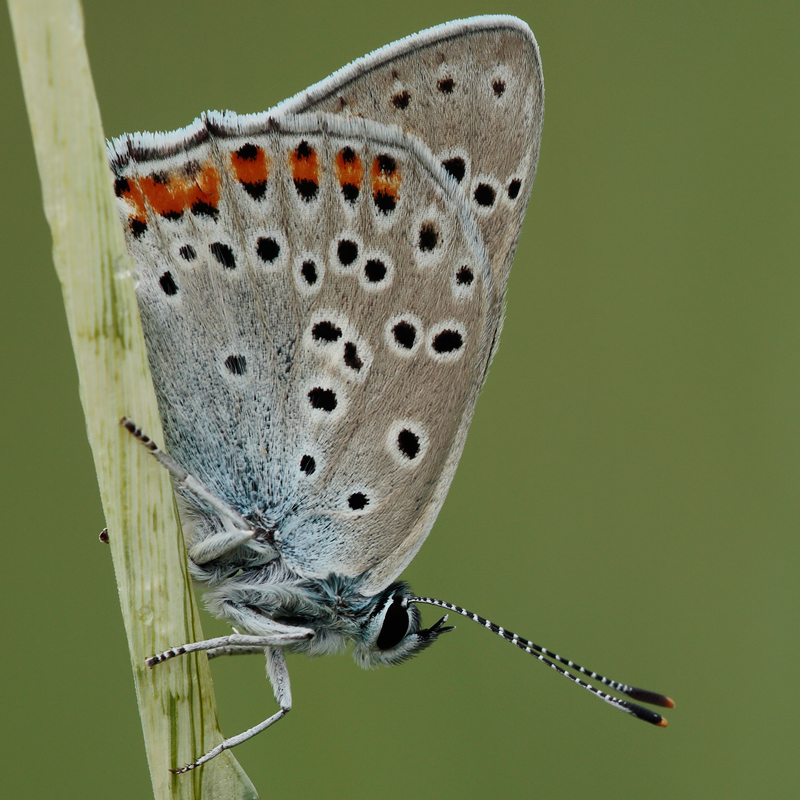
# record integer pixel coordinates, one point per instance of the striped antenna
(541, 652)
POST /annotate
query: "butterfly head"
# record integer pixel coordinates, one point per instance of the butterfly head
(391, 632)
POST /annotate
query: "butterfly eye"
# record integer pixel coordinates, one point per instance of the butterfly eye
(395, 626)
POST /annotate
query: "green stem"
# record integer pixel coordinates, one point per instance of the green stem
(176, 701)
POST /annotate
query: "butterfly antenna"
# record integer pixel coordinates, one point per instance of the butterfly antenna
(544, 655)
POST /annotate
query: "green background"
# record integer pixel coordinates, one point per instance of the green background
(629, 490)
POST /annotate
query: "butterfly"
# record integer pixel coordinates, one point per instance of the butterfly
(321, 288)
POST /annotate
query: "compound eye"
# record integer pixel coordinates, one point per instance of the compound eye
(395, 626)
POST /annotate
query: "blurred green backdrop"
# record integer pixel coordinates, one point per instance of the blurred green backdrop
(629, 490)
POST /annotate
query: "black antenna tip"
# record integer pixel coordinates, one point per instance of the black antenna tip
(644, 714)
(655, 699)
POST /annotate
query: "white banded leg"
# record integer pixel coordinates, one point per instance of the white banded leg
(279, 678)
(234, 650)
(279, 636)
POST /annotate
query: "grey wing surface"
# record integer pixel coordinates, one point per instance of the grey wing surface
(319, 312)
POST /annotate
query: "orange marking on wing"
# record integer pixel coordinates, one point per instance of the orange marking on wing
(164, 193)
(133, 195)
(385, 177)
(251, 170)
(204, 188)
(169, 195)
(304, 163)
(349, 169)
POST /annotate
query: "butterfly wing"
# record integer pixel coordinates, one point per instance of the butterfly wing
(319, 312)
(473, 91)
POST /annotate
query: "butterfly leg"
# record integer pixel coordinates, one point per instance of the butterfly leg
(220, 543)
(234, 650)
(279, 636)
(279, 678)
(237, 530)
